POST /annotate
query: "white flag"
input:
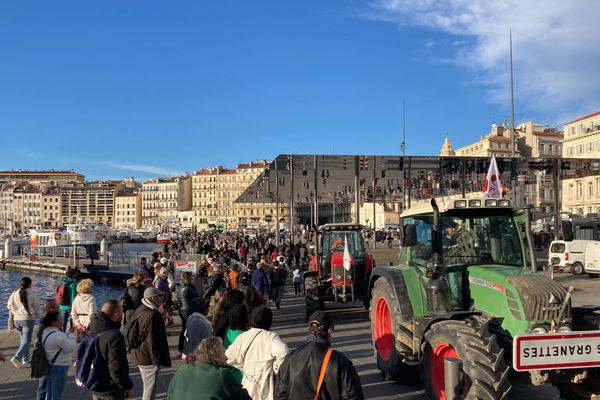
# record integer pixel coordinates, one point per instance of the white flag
(492, 188)
(347, 260)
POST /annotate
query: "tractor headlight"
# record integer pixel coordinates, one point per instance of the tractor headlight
(338, 276)
(564, 329)
(349, 276)
(538, 330)
(504, 203)
(460, 204)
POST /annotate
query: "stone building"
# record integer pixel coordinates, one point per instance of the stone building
(128, 210)
(89, 202)
(163, 198)
(582, 140)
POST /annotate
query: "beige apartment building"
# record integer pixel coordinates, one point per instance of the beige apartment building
(215, 190)
(162, 199)
(51, 208)
(49, 177)
(497, 143)
(89, 202)
(128, 210)
(582, 140)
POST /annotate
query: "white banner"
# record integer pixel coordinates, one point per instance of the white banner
(492, 188)
(184, 266)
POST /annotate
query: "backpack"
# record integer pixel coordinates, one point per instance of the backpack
(90, 368)
(39, 363)
(63, 297)
(131, 332)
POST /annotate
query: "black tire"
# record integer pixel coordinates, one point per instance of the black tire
(593, 276)
(577, 268)
(587, 390)
(484, 373)
(389, 360)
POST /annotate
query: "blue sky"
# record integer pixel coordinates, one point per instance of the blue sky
(155, 88)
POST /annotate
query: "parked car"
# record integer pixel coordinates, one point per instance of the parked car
(577, 256)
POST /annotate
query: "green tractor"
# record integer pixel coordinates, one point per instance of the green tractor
(466, 289)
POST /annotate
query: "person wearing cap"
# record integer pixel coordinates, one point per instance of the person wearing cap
(153, 353)
(198, 326)
(258, 353)
(340, 380)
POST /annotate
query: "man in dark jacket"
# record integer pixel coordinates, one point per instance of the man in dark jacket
(116, 385)
(153, 352)
(341, 380)
(259, 279)
(215, 281)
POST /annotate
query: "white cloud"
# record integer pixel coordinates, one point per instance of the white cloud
(555, 53)
(148, 169)
(429, 43)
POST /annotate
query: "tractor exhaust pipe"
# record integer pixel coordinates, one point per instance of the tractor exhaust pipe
(436, 240)
(438, 291)
(529, 237)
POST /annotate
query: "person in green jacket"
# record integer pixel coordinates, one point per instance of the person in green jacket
(238, 324)
(206, 375)
(65, 309)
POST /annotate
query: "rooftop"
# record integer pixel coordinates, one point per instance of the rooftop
(595, 114)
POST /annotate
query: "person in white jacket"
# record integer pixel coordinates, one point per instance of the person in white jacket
(60, 349)
(258, 353)
(84, 307)
(23, 308)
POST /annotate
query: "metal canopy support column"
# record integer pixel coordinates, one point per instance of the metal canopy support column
(356, 192)
(276, 202)
(292, 198)
(555, 177)
(373, 204)
(316, 190)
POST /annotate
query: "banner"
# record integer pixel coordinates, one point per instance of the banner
(184, 266)
(492, 188)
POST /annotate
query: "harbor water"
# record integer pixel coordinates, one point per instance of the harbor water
(45, 285)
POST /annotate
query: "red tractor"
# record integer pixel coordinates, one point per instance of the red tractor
(340, 269)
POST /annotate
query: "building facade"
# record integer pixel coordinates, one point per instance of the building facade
(49, 177)
(128, 210)
(162, 199)
(89, 202)
(497, 143)
(582, 140)
(51, 208)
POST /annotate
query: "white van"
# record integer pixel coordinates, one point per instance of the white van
(578, 256)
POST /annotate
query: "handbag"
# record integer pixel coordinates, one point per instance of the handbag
(322, 372)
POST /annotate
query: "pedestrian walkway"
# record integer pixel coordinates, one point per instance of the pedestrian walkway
(352, 336)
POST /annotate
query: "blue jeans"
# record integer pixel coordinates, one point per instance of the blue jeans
(56, 382)
(25, 328)
(65, 315)
(41, 390)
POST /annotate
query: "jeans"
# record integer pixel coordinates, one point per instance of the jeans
(57, 379)
(65, 315)
(297, 288)
(149, 374)
(41, 390)
(25, 328)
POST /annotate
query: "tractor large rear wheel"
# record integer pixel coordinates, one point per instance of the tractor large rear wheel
(484, 373)
(390, 337)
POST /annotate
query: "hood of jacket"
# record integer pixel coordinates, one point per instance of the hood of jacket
(100, 323)
(86, 298)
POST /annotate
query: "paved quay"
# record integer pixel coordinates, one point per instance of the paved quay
(352, 336)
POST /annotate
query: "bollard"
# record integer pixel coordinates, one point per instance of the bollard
(452, 367)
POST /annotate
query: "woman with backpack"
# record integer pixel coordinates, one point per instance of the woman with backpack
(60, 349)
(83, 308)
(23, 308)
(65, 295)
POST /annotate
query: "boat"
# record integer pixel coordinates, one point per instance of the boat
(164, 238)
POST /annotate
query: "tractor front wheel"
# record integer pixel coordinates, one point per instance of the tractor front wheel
(484, 373)
(389, 334)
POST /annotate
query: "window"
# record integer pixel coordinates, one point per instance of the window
(590, 189)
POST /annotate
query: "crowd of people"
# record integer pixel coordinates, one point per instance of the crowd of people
(226, 341)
